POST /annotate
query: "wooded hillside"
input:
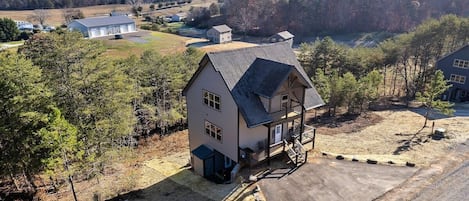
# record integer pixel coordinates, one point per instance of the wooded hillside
(304, 17)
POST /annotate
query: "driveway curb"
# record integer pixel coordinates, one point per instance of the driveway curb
(368, 160)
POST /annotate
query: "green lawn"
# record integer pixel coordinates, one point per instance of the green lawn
(136, 44)
(13, 43)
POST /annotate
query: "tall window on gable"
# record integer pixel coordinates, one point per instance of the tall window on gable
(284, 101)
(212, 100)
(459, 63)
(213, 131)
(458, 78)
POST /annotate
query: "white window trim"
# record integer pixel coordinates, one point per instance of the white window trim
(284, 101)
(460, 63)
(213, 131)
(211, 100)
(461, 79)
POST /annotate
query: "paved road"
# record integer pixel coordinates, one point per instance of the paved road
(445, 180)
(329, 179)
(454, 184)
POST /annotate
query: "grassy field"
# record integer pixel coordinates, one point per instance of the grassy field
(56, 15)
(137, 43)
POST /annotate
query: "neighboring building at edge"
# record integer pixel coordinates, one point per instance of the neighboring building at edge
(282, 36)
(103, 26)
(245, 106)
(455, 67)
(219, 34)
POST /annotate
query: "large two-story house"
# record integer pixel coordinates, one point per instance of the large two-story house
(245, 106)
(455, 67)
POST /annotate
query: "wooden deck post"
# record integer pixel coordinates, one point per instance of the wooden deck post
(306, 156)
(314, 136)
(302, 125)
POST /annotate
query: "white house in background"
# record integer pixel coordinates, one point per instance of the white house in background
(247, 105)
(24, 25)
(103, 26)
(219, 34)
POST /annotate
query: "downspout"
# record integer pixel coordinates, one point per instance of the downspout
(268, 144)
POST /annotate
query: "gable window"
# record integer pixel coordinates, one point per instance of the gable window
(459, 63)
(458, 78)
(284, 101)
(212, 100)
(213, 131)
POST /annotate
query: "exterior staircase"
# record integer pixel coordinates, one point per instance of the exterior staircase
(296, 152)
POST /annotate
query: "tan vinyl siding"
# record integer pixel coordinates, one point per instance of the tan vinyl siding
(225, 118)
(249, 137)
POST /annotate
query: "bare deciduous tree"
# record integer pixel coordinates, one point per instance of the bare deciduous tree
(40, 16)
(70, 14)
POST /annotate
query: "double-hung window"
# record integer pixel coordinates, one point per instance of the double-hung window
(212, 100)
(213, 131)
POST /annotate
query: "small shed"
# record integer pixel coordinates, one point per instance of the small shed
(219, 34)
(103, 26)
(282, 36)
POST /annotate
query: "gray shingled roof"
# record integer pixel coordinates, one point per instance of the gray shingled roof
(259, 71)
(104, 21)
(222, 28)
(285, 35)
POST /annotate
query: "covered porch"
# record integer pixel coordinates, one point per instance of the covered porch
(296, 142)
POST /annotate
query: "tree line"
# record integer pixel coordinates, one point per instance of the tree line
(402, 66)
(48, 4)
(323, 17)
(64, 106)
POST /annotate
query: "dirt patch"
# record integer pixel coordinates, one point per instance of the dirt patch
(345, 123)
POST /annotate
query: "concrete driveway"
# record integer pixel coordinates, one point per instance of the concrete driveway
(329, 179)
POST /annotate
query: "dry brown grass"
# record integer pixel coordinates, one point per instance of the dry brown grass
(397, 137)
(126, 171)
(56, 15)
(156, 146)
(227, 46)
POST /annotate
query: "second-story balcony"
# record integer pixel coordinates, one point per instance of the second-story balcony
(287, 113)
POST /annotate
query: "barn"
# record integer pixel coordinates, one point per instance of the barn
(103, 26)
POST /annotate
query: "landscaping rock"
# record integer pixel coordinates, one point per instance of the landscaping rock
(369, 161)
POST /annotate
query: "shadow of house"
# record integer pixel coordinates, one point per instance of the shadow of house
(182, 186)
(166, 189)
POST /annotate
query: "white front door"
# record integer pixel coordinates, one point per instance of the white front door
(278, 133)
